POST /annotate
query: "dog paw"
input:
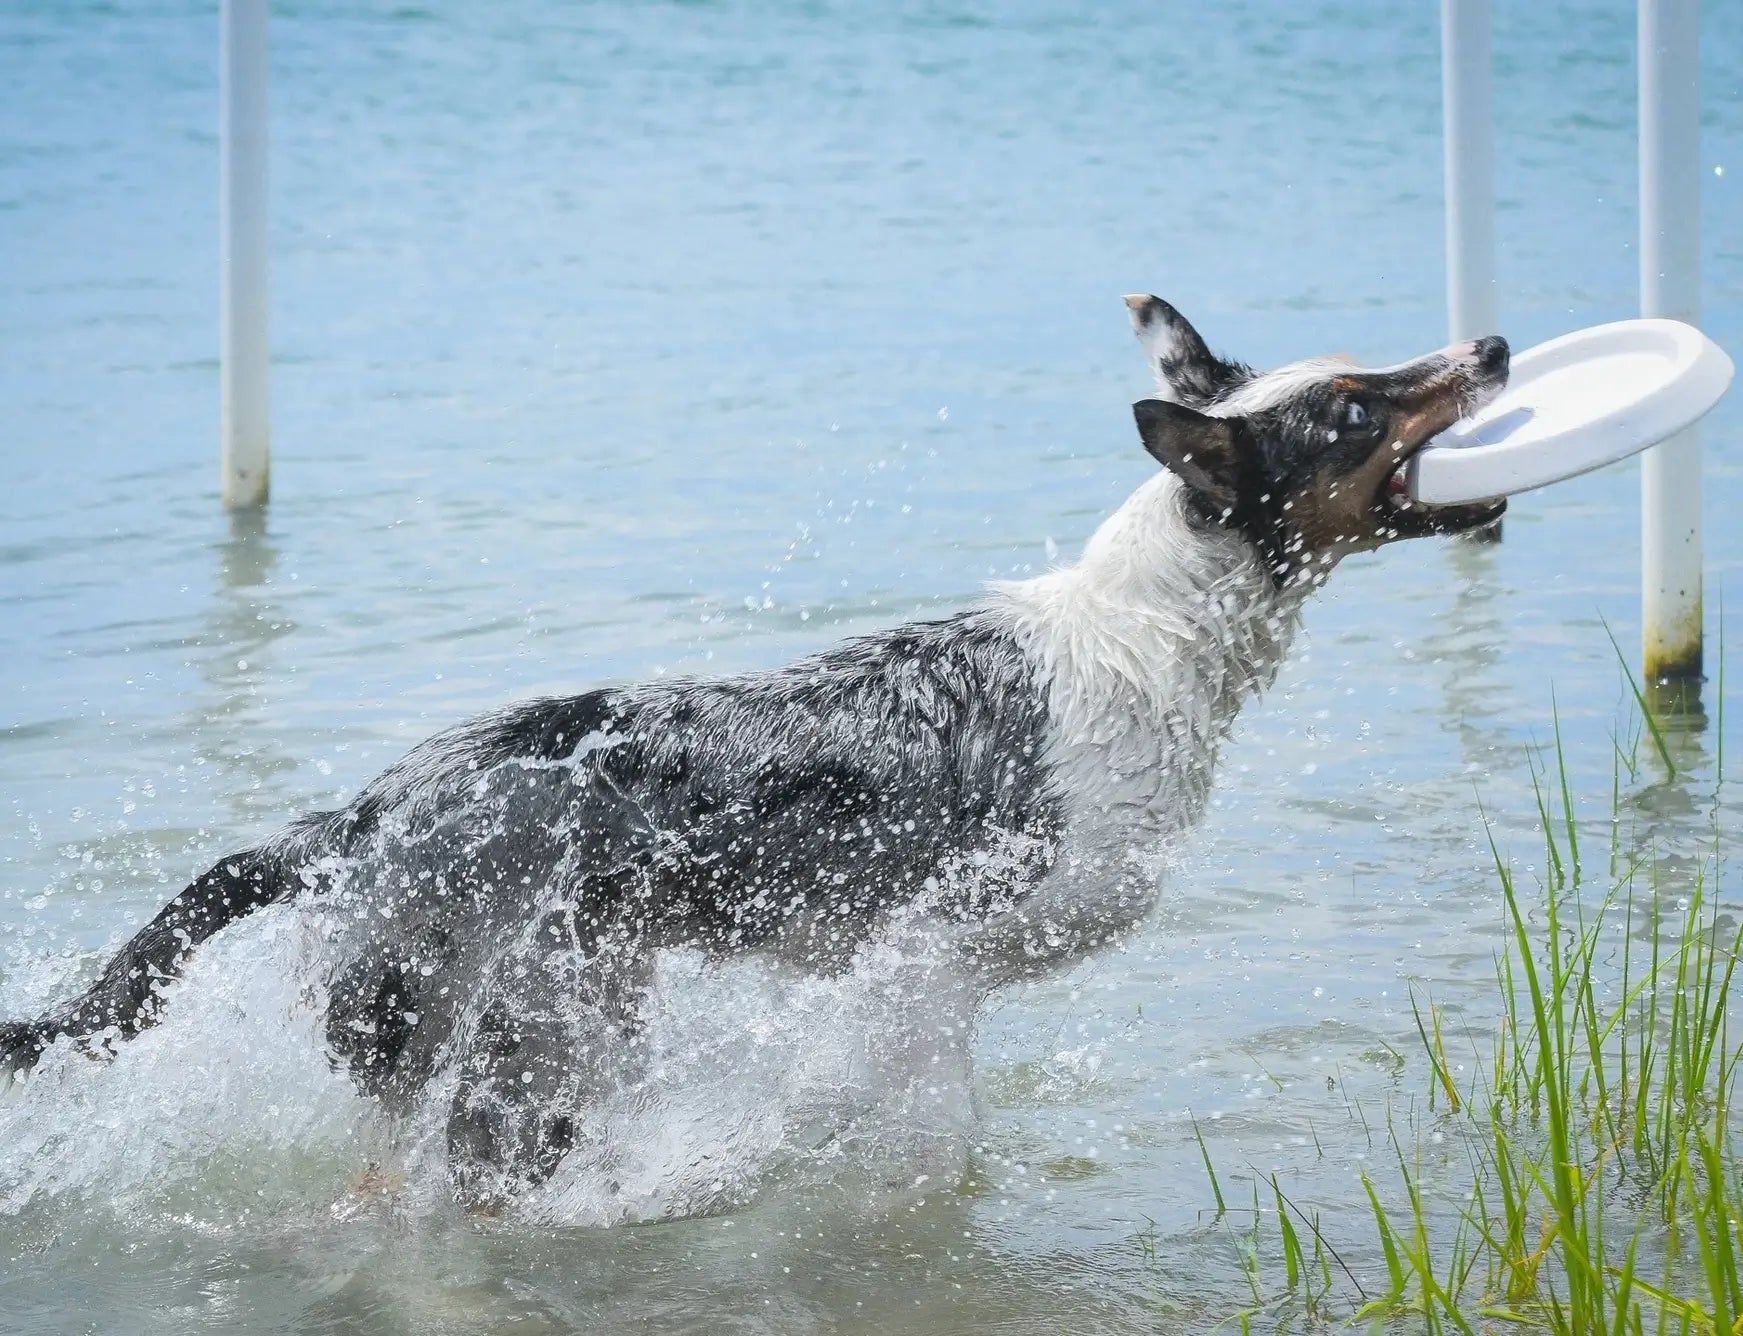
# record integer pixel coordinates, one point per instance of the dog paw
(378, 1182)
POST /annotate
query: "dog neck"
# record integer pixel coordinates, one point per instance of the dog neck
(1146, 649)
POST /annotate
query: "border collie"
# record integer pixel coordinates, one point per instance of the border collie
(996, 773)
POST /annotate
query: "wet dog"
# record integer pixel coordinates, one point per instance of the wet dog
(504, 887)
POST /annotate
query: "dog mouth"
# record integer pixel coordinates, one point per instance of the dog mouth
(1402, 516)
(1395, 491)
(1401, 512)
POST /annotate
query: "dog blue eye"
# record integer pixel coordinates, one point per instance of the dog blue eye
(1355, 415)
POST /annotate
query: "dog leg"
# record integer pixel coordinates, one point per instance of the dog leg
(125, 998)
(1068, 918)
(545, 1048)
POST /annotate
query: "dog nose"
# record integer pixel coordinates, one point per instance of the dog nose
(1492, 354)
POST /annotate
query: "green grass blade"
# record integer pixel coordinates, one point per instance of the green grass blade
(1645, 709)
(1216, 1190)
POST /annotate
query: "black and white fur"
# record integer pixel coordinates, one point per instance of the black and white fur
(993, 773)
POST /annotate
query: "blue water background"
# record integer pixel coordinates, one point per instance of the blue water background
(614, 339)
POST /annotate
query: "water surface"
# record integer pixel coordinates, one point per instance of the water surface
(627, 339)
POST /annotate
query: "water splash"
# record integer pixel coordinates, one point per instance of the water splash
(749, 1076)
(231, 1101)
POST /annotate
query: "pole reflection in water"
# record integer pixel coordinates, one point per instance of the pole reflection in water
(240, 663)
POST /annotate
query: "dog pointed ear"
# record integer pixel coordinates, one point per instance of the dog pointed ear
(1186, 371)
(1203, 451)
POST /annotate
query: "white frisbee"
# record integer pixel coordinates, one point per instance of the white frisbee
(1572, 405)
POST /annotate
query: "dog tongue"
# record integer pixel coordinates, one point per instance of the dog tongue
(1396, 484)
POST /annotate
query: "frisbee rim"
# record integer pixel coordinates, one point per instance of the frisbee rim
(1696, 374)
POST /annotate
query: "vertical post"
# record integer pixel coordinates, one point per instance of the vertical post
(1467, 91)
(1468, 113)
(1670, 285)
(244, 357)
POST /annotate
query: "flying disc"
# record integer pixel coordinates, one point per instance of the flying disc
(1572, 405)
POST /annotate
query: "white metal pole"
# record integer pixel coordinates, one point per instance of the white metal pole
(244, 362)
(1467, 92)
(1468, 113)
(1670, 285)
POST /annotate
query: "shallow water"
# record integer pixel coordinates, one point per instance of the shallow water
(639, 339)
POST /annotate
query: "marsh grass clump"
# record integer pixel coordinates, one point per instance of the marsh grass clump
(1604, 1189)
(1596, 1182)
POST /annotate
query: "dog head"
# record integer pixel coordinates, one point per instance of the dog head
(1307, 460)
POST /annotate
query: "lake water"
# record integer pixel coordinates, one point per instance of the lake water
(623, 339)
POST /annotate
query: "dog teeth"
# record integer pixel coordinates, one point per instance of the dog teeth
(1398, 489)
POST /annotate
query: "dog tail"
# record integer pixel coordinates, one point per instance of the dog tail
(127, 997)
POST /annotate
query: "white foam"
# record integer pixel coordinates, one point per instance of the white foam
(751, 1076)
(231, 1096)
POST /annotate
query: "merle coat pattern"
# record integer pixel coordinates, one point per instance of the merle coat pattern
(993, 771)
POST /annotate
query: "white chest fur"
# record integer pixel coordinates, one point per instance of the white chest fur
(1147, 648)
